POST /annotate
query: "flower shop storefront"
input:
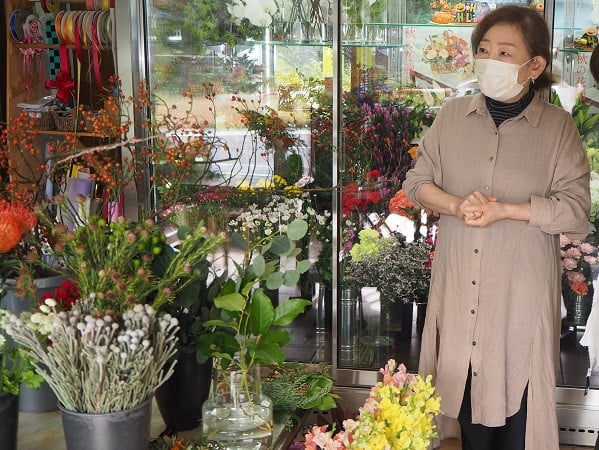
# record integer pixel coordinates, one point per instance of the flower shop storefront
(271, 145)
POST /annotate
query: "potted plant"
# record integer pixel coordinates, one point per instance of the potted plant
(15, 370)
(180, 398)
(23, 281)
(247, 334)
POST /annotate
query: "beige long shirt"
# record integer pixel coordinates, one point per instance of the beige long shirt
(495, 292)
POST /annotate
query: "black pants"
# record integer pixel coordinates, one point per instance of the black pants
(479, 437)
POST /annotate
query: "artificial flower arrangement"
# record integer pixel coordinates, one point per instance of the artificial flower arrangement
(577, 259)
(398, 414)
(449, 50)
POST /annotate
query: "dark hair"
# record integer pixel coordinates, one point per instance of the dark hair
(534, 30)
(594, 64)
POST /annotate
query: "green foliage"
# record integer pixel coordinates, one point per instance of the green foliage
(294, 167)
(247, 330)
(298, 386)
(124, 262)
(15, 366)
(585, 120)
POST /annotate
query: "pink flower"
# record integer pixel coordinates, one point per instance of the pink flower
(569, 263)
(576, 277)
(587, 248)
(564, 240)
(572, 252)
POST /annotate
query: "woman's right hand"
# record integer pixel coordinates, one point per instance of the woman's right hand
(475, 198)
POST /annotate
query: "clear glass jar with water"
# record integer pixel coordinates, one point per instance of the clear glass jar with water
(237, 415)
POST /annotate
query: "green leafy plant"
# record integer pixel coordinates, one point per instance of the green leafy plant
(296, 386)
(15, 366)
(248, 330)
(584, 119)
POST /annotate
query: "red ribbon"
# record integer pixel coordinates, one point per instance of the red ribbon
(64, 86)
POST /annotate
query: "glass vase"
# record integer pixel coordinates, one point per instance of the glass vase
(578, 307)
(237, 415)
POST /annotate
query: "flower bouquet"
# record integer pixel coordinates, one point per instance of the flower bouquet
(447, 53)
(399, 270)
(577, 278)
(398, 414)
(577, 258)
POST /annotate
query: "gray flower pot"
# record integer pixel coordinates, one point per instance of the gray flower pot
(129, 429)
(9, 421)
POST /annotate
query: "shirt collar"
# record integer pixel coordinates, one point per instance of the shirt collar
(532, 112)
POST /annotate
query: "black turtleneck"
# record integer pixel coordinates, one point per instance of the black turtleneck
(501, 111)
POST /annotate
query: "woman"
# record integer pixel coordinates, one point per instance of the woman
(507, 172)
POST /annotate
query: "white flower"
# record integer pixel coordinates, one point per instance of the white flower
(258, 12)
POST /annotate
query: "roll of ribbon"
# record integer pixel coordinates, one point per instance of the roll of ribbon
(58, 26)
(48, 25)
(50, 6)
(16, 22)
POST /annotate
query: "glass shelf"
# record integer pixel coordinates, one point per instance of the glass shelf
(576, 50)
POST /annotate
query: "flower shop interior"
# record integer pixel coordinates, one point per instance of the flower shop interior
(213, 189)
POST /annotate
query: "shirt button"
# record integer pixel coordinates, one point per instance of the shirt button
(473, 282)
(475, 374)
(475, 250)
(473, 342)
(472, 311)
(491, 158)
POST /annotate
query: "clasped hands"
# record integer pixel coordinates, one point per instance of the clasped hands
(479, 210)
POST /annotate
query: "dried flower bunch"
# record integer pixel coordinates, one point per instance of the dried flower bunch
(99, 363)
(398, 414)
(15, 222)
(577, 258)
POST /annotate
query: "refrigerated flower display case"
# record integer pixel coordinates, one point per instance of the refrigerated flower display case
(325, 102)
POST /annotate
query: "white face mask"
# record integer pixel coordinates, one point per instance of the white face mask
(497, 79)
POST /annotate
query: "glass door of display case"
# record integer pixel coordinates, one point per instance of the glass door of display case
(260, 78)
